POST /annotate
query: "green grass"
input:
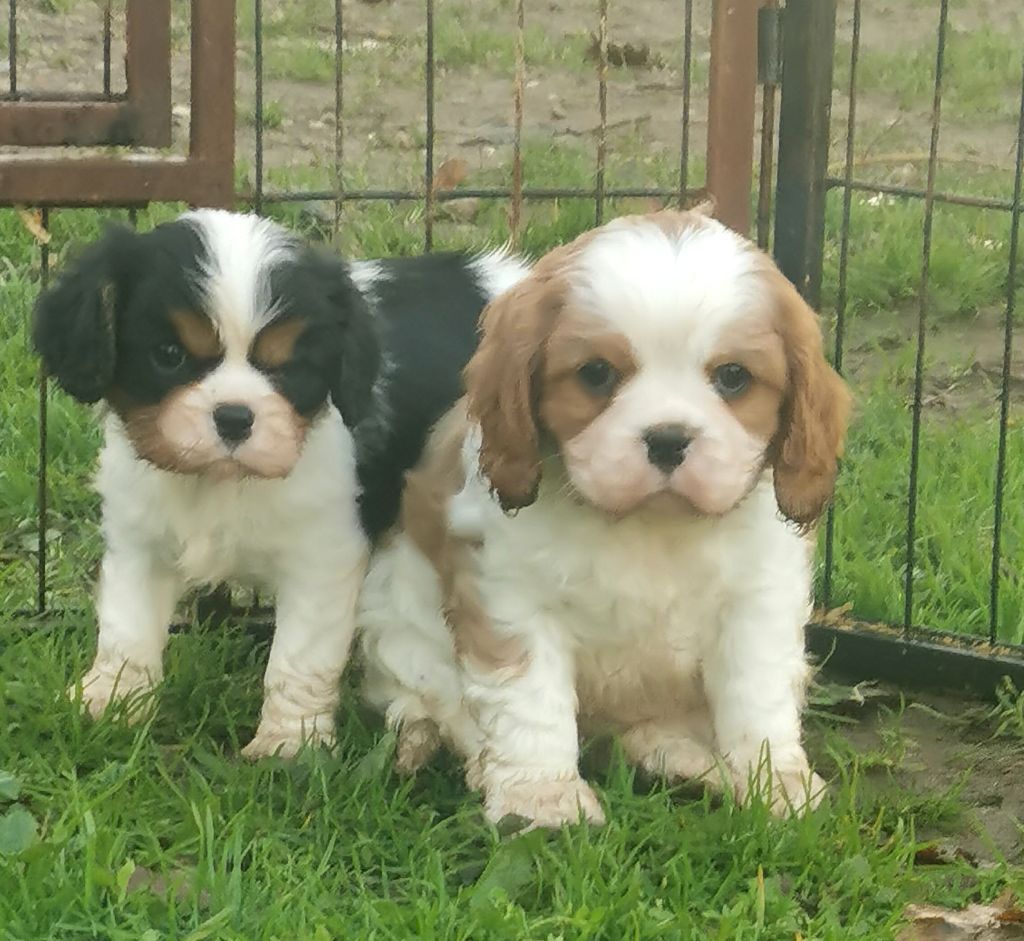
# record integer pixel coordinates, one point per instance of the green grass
(981, 65)
(162, 832)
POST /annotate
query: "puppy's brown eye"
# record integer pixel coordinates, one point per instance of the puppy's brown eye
(598, 375)
(168, 357)
(731, 380)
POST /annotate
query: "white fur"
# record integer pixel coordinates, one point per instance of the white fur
(679, 631)
(498, 270)
(278, 511)
(298, 537)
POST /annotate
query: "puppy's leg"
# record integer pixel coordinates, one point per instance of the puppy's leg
(316, 600)
(755, 675)
(527, 714)
(135, 604)
(675, 748)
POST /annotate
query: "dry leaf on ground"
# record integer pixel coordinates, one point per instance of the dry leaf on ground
(1003, 920)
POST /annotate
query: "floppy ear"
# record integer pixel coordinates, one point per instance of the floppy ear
(500, 381)
(352, 389)
(74, 324)
(817, 406)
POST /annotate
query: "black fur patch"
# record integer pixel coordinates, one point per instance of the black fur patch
(101, 327)
(429, 307)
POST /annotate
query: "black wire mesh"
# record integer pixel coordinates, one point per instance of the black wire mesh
(930, 197)
(261, 195)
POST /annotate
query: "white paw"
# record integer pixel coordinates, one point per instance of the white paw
(286, 740)
(672, 756)
(793, 792)
(545, 802)
(104, 685)
(417, 742)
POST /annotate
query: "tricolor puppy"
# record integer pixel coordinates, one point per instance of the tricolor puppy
(252, 382)
(610, 533)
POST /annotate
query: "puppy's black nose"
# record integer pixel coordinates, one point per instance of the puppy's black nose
(234, 422)
(666, 446)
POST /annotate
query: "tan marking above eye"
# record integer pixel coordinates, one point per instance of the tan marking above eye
(567, 404)
(275, 344)
(757, 348)
(196, 334)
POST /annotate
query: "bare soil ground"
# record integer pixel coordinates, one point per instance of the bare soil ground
(936, 745)
(383, 77)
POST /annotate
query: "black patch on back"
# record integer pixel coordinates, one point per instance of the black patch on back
(428, 307)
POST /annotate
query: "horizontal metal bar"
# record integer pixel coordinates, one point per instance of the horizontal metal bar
(891, 189)
(920, 660)
(64, 97)
(297, 196)
(103, 181)
(63, 123)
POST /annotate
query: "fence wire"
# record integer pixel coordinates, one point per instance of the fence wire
(930, 197)
(518, 193)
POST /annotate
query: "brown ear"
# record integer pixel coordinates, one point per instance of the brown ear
(501, 380)
(810, 439)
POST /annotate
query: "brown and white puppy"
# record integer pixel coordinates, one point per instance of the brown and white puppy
(611, 532)
(264, 399)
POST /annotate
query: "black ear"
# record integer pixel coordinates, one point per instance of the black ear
(352, 389)
(73, 327)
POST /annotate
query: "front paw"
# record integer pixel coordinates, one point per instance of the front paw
(286, 739)
(546, 802)
(105, 684)
(787, 793)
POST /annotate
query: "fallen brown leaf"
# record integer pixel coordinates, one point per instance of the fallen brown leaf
(1000, 921)
(626, 54)
(460, 210)
(942, 854)
(32, 219)
(834, 615)
(177, 884)
(450, 174)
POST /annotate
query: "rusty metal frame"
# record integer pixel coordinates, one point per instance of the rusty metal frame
(139, 117)
(731, 109)
(204, 177)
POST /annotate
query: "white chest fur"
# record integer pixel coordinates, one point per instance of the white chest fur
(212, 530)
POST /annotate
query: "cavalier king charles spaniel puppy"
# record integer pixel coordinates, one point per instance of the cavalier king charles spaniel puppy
(264, 400)
(611, 532)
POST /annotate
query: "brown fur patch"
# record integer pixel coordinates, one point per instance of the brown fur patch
(197, 334)
(814, 414)
(566, 404)
(500, 378)
(428, 491)
(760, 349)
(275, 343)
(142, 425)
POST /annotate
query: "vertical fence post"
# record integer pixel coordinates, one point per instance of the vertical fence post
(212, 131)
(731, 93)
(808, 42)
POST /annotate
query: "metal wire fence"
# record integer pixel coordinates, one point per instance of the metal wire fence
(799, 243)
(753, 52)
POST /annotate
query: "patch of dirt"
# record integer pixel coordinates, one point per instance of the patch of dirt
(964, 358)
(937, 742)
(383, 81)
